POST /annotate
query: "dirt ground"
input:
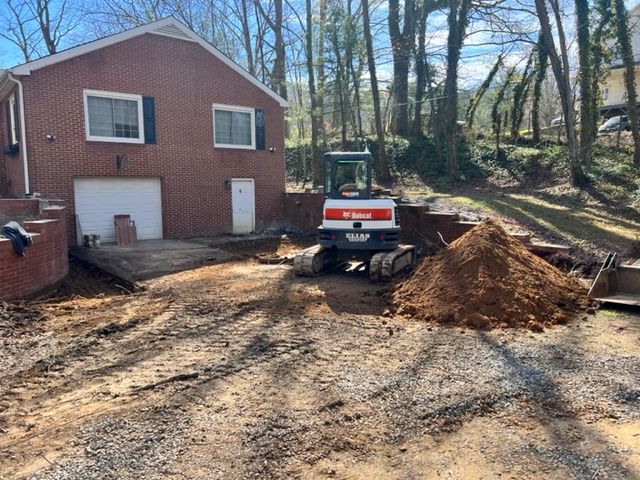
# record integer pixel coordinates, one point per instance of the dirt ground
(242, 370)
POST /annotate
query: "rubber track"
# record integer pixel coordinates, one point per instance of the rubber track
(384, 265)
(315, 261)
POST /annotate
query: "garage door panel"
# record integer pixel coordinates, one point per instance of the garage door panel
(97, 200)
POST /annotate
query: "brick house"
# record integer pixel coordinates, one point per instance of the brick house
(153, 122)
(613, 89)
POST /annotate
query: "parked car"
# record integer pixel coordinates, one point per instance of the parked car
(556, 122)
(614, 124)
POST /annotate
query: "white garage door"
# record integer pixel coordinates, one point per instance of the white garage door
(97, 200)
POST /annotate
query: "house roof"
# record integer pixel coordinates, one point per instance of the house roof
(169, 27)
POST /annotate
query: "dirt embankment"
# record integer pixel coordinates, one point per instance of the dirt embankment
(487, 278)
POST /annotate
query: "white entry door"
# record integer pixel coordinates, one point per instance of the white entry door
(97, 200)
(243, 204)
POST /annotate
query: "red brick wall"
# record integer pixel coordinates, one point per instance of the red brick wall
(3, 142)
(12, 166)
(45, 263)
(303, 211)
(19, 207)
(185, 80)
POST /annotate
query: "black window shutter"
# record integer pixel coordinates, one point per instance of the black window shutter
(260, 137)
(149, 116)
(16, 115)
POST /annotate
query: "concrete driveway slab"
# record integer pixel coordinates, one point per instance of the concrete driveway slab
(151, 258)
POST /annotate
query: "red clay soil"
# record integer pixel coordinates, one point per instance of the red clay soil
(487, 278)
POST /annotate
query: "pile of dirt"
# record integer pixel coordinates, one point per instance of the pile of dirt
(487, 278)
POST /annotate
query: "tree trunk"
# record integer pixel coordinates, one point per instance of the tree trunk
(246, 36)
(44, 22)
(278, 72)
(541, 73)
(624, 41)
(421, 68)
(350, 46)
(311, 79)
(561, 72)
(322, 5)
(584, 60)
(279, 69)
(433, 102)
(340, 82)
(600, 33)
(401, 48)
(520, 92)
(457, 20)
(385, 174)
(496, 116)
(482, 89)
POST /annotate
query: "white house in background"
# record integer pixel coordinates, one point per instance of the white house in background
(613, 91)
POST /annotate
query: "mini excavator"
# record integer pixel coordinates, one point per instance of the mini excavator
(356, 225)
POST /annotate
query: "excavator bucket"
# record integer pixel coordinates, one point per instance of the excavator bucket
(617, 283)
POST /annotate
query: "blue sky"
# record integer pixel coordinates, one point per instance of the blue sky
(475, 60)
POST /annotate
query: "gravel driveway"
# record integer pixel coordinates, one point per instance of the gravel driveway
(245, 371)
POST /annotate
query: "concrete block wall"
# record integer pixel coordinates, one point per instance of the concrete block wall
(45, 263)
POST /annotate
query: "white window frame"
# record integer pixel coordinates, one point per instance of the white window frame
(13, 119)
(234, 108)
(116, 96)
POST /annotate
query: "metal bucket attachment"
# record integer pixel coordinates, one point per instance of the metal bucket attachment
(617, 283)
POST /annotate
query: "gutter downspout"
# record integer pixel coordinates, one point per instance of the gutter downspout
(23, 133)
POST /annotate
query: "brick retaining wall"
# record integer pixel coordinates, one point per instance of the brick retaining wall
(19, 207)
(45, 263)
(303, 211)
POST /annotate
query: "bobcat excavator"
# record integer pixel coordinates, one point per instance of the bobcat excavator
(356, 225)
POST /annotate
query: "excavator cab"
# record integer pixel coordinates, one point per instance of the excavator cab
(347, 175)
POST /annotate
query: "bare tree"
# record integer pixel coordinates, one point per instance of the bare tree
(422, 67)
(402, 45)
(316, 118)
(457, 20)
(385, 174)
(37, 27)
(16, 18)
(479, 93)
(542, 62)
(241, 9)
(560, 66)
(275, 23)
(585, 63)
